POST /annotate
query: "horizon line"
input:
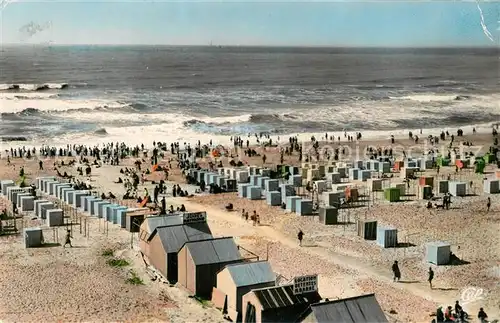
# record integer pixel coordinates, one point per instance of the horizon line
(254, 46)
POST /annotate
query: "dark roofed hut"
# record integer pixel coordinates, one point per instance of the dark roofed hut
(200, 261)
(164, 244)
(359, 309)
(276, 304)
(235, 280)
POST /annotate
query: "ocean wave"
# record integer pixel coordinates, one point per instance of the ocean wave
(54, 105)
(27, 96)
(433, 97)
(34, 87)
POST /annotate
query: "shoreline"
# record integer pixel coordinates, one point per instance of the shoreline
(379, 135)
(347, 265)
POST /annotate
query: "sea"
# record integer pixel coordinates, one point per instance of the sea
(139, 94)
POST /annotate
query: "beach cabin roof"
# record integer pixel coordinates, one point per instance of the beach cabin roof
(213, 251)
(359, 309)
(153, 222)
(282, 296)
(251, 273)
(175, 236)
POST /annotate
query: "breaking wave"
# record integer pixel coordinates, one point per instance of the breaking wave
(33, 87)
(433, 98)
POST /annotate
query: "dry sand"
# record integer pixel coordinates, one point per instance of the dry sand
(346, 265)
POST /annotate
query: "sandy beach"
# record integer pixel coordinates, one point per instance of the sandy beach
(77, 284)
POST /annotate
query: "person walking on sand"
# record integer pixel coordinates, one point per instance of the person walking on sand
(488, 204)
(431, 276)
(68, 239)
(300, 236)
(255, 217)
(396, 272)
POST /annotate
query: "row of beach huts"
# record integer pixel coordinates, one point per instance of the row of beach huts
(182, 249)
(336, 183)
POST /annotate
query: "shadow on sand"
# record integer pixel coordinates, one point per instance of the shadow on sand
(50, 245)
(405, 245)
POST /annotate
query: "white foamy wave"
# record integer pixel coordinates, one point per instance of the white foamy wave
(138, 135)
(33, 87)
(430, 97)
(147, 134)
(108, 117)
(27, 95)
(381, 113)
(54, 105)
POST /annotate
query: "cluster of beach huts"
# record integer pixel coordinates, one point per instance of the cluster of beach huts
(53, 194)
(336, 183)
(183, 250)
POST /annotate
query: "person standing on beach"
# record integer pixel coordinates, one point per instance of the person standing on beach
(68, 239)
(156, 192)
(163, 206)
(300, 236)
(396, 272)
(488, 204)
(431, 276)
(40, 164)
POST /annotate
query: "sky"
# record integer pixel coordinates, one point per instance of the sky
(251, 23)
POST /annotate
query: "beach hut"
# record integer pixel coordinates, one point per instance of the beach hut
(243, 189)
(55, 217)
(284, 303)
(304, 207)
(291, 202)
(328, 215)
(236, 280)
(58, 189)
(5, 184)
(52, 187)
(39, 182)
(150, 224)
(20, 196)
(438, 252)
(76, 197)
(108, 211)
(33, 237)
(367, 229)
(200, 261)
(387, 237)
(134, 219)
(286, 190)
(93, 205)
(457, 188)
(359, 309)
(101, 208)
(47, 184)
(161, 248)
(85, 202)
(66, 195)
(27, 203)
(442, 186)
(42, 209)
(273, 198)
(36, 208)
(491, 186)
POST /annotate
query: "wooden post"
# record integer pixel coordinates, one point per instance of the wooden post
(267, 251)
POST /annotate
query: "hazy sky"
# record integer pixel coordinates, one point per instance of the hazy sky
(308, 23)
